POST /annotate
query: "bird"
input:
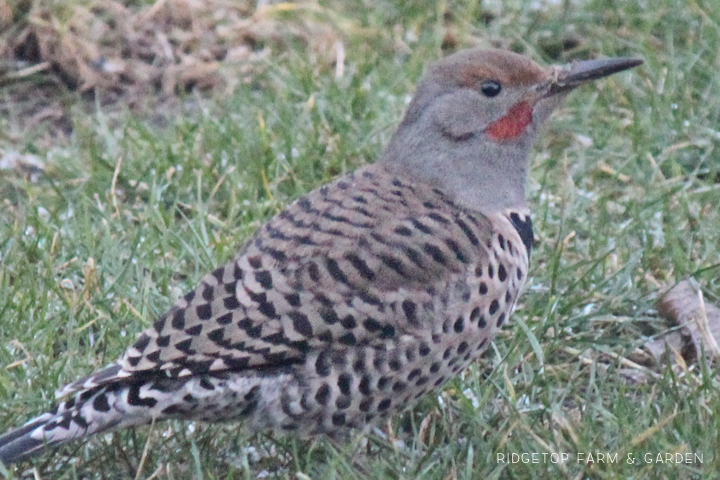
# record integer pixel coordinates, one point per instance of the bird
(360, 297)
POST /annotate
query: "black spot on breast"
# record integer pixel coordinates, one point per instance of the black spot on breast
(343, 402)
(329, 315)
(410, 353)
(475, 315)
(344, 383)
(359, 364)
(501, 319)
(301, 324)
(348, 339)
(459, 325)
(348, 322)
(384, 404)
(338, 358)
(364, 386)
(524, 229)
(502, 273)
(395, 364)
(366, 405)
(323, 364)
(462, 348)
(424, 349)
(409, 308)
(494, 305)
(372, 325)
(322, 396)
(388, 331)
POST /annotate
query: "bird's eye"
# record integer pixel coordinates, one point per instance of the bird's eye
(490, 88)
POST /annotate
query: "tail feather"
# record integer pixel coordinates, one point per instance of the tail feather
(89, 412)
(137, 401)
(18, 444)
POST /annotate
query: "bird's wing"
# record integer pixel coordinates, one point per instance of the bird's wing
(363, 259)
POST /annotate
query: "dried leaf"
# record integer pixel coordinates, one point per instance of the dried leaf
(685, 305)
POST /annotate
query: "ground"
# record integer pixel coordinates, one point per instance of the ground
(131, 166)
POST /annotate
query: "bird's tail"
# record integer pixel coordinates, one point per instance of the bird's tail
(92, 411)
(140, 399)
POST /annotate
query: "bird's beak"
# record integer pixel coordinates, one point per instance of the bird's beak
(575, 74)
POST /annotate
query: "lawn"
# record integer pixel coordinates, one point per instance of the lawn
(133, 206)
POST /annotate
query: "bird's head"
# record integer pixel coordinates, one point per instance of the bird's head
(475, 116)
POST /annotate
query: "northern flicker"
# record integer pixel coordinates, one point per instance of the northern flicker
(363, 295)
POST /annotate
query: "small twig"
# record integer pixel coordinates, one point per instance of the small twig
(26, 72)
(704, 324)
(339, 59)
(145, 450)
(113, 194)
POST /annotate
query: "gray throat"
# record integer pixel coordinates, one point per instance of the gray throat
(479, 174)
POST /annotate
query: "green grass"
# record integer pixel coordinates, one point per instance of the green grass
(636, 209)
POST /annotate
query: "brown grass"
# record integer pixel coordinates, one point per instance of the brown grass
(120, 54)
